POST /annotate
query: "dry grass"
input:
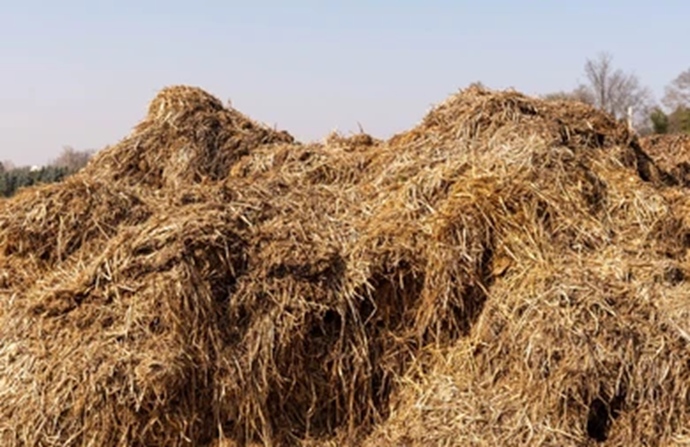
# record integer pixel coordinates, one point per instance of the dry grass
(509, 272)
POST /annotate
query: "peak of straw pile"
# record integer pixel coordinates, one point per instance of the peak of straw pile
(509, 272)
(187, 137)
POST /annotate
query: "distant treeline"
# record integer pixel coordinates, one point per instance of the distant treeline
(11, 181)
(69, 162)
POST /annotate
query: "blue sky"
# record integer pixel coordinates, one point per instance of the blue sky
(81, 73)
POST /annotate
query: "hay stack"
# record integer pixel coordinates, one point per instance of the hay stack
(582, 336)
(186, 137)
(495, 276)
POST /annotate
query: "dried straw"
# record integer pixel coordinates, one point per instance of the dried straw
(672, 152)
(509, 272)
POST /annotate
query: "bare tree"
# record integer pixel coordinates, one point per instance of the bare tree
(72, 159)
(8, 165)
(615, 91)
(678, 92)
(599, 72)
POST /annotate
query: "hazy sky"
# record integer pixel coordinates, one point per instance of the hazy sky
(81, 73)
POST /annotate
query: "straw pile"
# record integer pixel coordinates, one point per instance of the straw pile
(509, 272)
(186, 137)
(672, 152)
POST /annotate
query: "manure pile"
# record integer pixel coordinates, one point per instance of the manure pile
(508, 272)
